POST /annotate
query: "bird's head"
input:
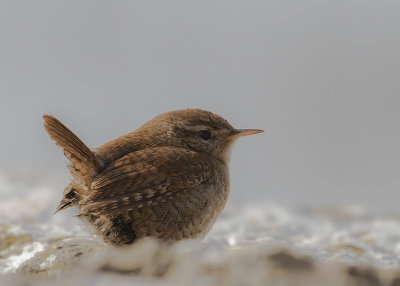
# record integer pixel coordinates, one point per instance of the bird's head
(196, 130)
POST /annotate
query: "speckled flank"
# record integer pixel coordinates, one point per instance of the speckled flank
(183, 214)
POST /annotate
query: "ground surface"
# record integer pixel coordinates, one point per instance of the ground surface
(252, 244)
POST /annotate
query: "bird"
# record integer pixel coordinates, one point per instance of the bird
(169, 179)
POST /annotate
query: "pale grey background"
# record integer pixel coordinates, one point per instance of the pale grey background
(321, 77)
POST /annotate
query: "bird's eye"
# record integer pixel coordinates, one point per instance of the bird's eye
(204, 134)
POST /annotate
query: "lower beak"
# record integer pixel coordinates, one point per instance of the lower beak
(245, 132)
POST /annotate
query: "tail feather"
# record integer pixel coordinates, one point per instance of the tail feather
(84, 163)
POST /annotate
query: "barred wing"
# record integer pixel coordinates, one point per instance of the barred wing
(146, 177)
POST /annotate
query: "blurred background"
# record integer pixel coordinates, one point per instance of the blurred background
(321, 77)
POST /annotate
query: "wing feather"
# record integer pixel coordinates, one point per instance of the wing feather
(146, 177)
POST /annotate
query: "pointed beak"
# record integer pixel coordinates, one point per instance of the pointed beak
(245, 132)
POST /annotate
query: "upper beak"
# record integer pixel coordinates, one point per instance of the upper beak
(245, 132)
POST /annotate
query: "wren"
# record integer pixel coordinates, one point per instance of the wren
(169, 179)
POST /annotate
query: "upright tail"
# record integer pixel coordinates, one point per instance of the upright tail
(84, 163)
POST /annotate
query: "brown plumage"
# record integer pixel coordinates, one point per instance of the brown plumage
(168, 179)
